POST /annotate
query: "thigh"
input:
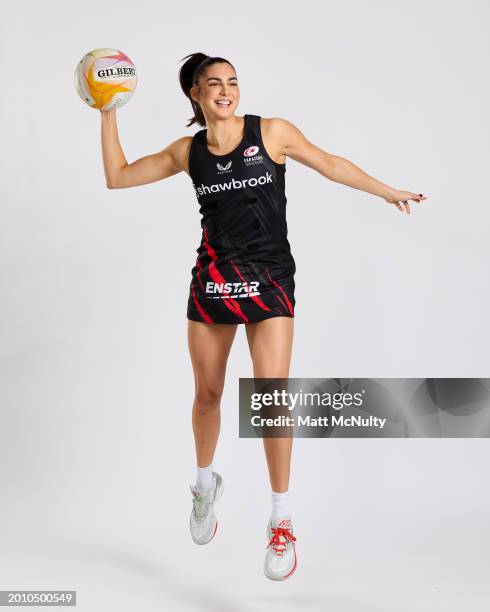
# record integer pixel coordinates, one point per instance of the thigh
(209, 347)
(270, 343)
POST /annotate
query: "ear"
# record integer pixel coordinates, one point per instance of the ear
(193, 92)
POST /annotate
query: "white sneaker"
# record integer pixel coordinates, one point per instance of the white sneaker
(280, 559)
(203, 522)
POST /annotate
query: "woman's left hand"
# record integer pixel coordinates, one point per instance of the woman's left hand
(401, 197)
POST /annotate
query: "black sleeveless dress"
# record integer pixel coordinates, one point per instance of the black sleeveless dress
(244, 270)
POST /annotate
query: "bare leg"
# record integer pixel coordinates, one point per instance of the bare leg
(270, 344)
(209, 347)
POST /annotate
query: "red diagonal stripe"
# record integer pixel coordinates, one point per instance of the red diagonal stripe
(255, 298)
(282, 301)
(199, 265)
(216, 275)
(290, 306)
(204, 315)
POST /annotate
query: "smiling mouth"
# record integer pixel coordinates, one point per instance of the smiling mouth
(223, 103)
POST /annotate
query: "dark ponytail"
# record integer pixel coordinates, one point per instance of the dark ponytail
(189, 75)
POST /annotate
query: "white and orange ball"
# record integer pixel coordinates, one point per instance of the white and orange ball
(105, 79)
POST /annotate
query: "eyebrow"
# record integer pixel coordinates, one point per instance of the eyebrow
(218, 79)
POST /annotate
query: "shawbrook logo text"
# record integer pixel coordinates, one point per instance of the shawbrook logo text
(233, 184)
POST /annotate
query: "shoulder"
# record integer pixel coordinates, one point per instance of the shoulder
(179, 150)
(279, 129)
(182, 143)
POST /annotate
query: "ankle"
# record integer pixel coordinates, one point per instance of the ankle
(204, 478)
(280, 504)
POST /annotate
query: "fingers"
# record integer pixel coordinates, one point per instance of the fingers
(416, 197)
(403, 205)
(404, 208)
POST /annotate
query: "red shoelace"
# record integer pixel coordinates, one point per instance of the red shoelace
(278, 545)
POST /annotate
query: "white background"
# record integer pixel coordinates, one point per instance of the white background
(96, 383)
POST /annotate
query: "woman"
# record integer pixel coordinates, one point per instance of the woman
(244, 272)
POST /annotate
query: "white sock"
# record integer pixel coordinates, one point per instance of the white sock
(204, 478)
(280, 504)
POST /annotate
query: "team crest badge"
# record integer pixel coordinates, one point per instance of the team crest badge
(251, 151)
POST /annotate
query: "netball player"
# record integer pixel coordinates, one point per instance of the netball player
(244, 270)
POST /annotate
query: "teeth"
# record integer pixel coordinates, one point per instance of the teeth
(223, 102)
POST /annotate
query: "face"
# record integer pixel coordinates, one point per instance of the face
(218, 83)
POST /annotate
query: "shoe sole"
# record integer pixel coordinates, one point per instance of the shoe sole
(282, 578)
(207, 542)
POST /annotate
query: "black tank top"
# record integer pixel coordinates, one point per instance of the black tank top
(243, 206)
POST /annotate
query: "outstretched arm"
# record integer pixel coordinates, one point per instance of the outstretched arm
(333, 167)
(119, 174)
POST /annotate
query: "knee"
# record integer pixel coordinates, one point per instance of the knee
(207, 398)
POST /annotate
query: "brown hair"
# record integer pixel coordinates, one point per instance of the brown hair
(189, 75)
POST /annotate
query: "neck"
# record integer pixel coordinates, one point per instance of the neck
(224, 133)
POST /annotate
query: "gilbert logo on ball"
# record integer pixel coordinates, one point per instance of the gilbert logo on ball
(105, 79)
